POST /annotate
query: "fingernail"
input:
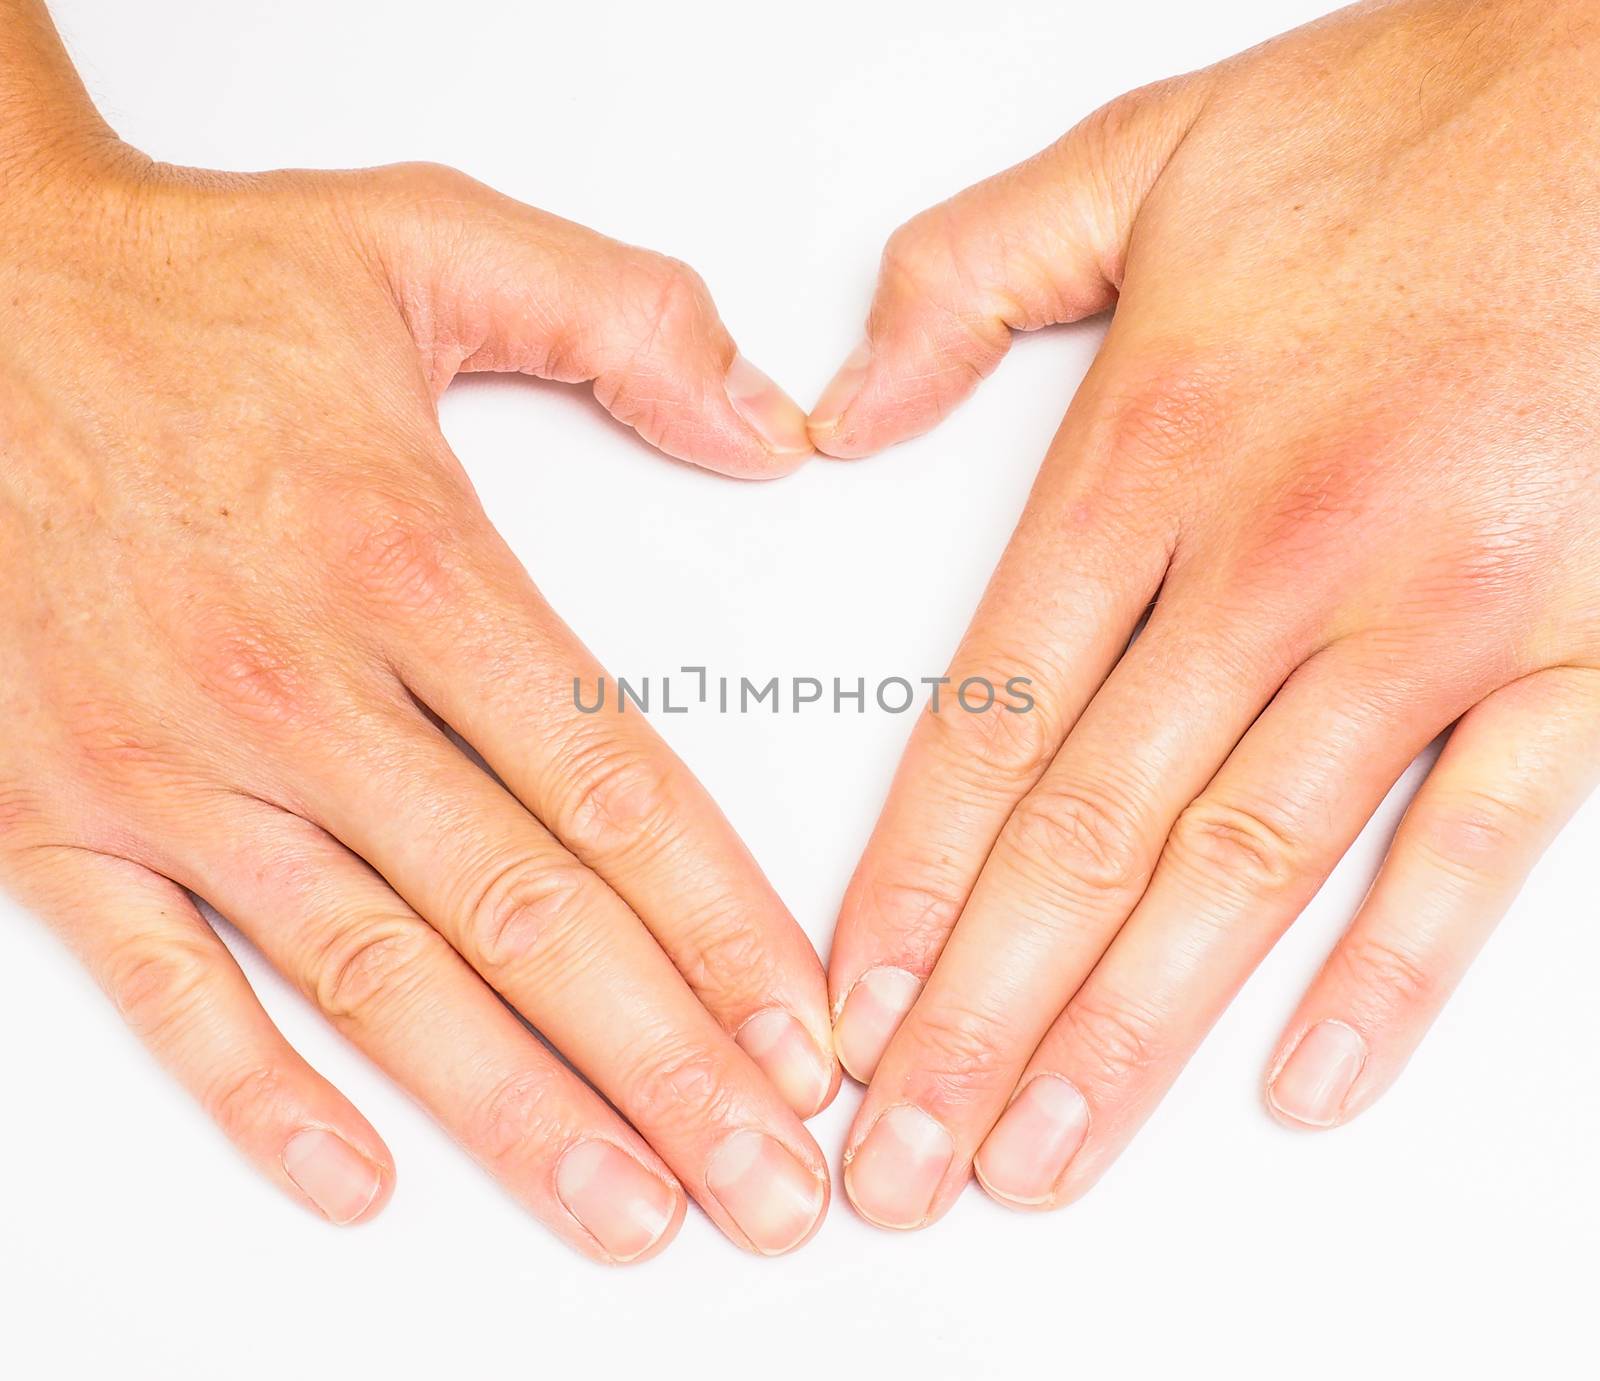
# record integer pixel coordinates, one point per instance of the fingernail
(772, 1197)
(1033, 1141)
(871, 1014)
(330, 1172)
(769, 411)
(622, 1205)
(788, 1057)
(897, 1169)
(1317, 1078)
(842, 389)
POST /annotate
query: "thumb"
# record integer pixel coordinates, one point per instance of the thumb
(487, 283)
(1039, 244)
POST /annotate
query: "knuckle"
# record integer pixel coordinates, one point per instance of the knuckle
(1124, 122)
(1471, 835)
(422, 177)
(1503, 554)
(1385, 971)
(1079, 839)
(997, 747)
(19, 810)
(678, 1088)
(724, 954)
(964, 1055)
(924, 251)
(1106, 127)
(680, 286)
(1176, 410)
(1114, 1039)
(398, 553)
(158, 987)
(112, 738)
(242, 1101)
(617, 798)
(361, 966)
(1237, 847)
(400, 193)
(663, 311)
(668, 297)
(244, 672)
(924, 263)
(915, 916)
(524, 909)
(517, 1122)
(914, 252)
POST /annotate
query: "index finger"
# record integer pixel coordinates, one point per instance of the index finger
(1085, 562)
(604, 784)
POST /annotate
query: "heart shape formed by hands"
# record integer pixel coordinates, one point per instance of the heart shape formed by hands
(253, 612)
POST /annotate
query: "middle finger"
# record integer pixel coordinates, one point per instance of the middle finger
(568, 954)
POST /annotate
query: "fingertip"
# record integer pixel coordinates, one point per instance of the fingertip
(1311, 1087)
(804, 1073)
(766, 410)
(869, 1015)
(841, 446)
(894, 1174)
(825, 424)
(775, 1195)
(345, 1184)
(625, 1211)
(602, 1257)
(880, 415)
(1029, 1151)
(835, 1083)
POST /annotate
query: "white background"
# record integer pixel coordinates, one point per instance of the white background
(774, 146)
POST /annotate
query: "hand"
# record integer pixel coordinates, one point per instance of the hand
(1342, 433)
(247, 589)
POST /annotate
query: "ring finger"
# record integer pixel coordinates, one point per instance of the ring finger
(1241, 862)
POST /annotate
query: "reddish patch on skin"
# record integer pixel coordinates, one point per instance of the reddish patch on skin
(397, 562)
(1172, 414)
(1080, 515)
(917, 915)
(1315, 508)
(397, 551)
(242, 670)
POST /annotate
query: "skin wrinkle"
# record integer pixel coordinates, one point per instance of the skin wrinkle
(1355, 202)
(259, 642)
(1351, 380)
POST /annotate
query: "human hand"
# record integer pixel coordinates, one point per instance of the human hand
(1342, 433)
(243, 576)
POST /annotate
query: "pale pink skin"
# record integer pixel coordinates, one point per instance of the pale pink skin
(1345, 432)
(1343, 423)
(236, 547)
